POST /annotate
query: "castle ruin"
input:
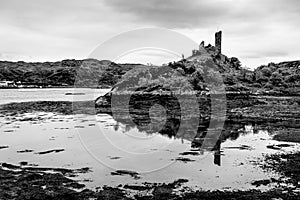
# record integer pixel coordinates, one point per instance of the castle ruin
(203, 49)
(218, 41)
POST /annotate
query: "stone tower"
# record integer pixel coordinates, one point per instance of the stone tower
(218, 41)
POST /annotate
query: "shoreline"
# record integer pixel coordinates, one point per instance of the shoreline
(56, 87)
(42, 185)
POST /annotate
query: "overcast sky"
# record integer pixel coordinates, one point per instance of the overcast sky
(256, 31)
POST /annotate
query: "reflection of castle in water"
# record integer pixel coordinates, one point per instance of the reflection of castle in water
(207, 138)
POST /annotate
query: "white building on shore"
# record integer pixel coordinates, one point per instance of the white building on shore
(7, 84)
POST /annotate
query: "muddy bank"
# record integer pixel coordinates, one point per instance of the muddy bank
(12, 109)
(286, 164)
(64, 171)
(282, 110)
(60, 107)
(23, 184)
(240, 108)
(287, 135)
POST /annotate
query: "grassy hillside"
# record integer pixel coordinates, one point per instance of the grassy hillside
(197, 74)
(282, 77)
(88, 72)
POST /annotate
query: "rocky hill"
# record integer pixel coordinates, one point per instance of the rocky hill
(199, 73)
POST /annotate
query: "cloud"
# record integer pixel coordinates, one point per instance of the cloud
(264, 54)
(14, 57)
(201, 13)
(55, 30)
(175, 13)
(156, 57)
(254, 30)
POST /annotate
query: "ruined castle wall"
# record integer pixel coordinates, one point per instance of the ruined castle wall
(218, 41)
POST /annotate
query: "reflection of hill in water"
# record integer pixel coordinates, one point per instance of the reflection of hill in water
(161, 116)
(179, 117)
(229, 131)
(207, 137)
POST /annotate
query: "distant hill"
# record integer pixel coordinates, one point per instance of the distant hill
(282, 77)
(64, 73)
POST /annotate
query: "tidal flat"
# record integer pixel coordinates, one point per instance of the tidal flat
(256, 158)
